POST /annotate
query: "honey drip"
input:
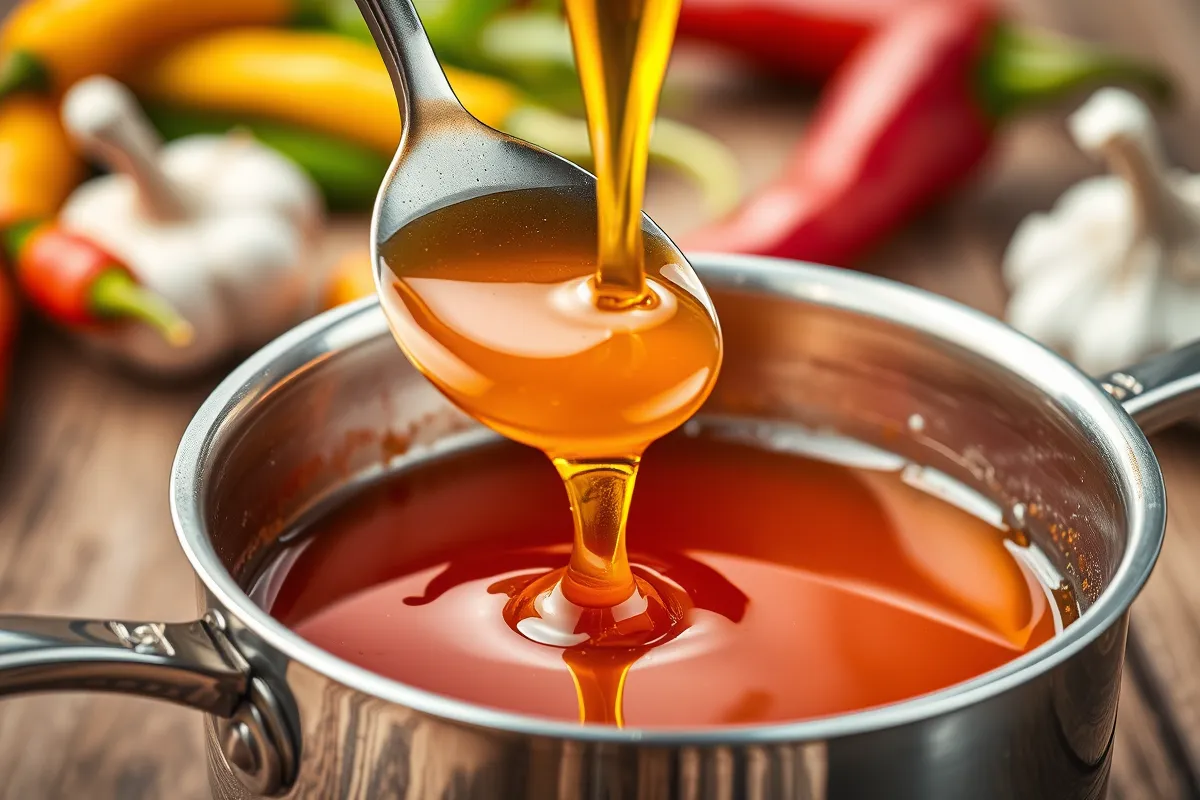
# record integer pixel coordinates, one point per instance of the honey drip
(553, 319)
(598, 575)
(491, 300)
(621, 50)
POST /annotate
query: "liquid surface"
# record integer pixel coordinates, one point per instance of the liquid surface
(789, 588)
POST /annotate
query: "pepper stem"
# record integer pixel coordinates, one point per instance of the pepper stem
(16, 235)
(1020, 68)
(681, 148)
(116, 295)
(22, 71)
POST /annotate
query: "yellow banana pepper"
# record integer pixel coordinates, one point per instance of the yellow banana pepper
(49, 44)
(38, 164)
(322, 81)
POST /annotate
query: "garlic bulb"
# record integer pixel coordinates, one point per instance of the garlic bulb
(219, 226)
(1112, 272)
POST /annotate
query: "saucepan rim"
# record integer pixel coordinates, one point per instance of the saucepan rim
(1109, 427)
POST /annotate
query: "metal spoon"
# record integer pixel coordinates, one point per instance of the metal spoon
(446, 158)
(445, 154)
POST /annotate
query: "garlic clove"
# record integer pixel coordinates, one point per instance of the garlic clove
(104, 119)
(1046, 308)
(1120, 326)
(118, 198)
(165, 258)
(1185, 238)
(1036, 243)
(1092, 216)
(253, 257)
(233, 173)
(1112, 273)
(220, 226)
(1118, 127)
(172, 266)
(1057, 262)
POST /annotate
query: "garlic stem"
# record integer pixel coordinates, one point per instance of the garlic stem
(1115, 125)
(1158, 210)
(105, 120)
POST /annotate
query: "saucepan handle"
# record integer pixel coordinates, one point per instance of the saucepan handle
(185, 663)
(1160, 391)
(190, 663)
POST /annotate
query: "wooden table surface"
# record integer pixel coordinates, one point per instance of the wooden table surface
(85, 529)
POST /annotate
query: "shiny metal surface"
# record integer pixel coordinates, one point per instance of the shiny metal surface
(445, 155)
(191, 664)
(257, 743)
(183, 663)
(333, 405)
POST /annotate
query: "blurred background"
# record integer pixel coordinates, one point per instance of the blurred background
(957, 145)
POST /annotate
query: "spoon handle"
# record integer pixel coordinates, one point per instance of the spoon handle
(416, 74)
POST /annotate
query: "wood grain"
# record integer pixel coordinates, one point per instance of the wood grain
(86, 531)
(85, 528)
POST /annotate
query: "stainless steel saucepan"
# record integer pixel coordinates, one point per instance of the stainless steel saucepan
(333, 405)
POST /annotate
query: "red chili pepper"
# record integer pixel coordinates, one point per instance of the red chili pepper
(803, 38)
(906, 119)
(74, 282)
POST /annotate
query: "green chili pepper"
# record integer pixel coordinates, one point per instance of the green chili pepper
(452, 25)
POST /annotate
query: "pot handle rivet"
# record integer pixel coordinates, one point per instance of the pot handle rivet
(1122, 386)
(242, 750)
(1162, 390)
(255, 743)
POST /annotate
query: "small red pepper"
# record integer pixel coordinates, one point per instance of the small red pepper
(802, 38)
(905, 120)
(74, 282)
